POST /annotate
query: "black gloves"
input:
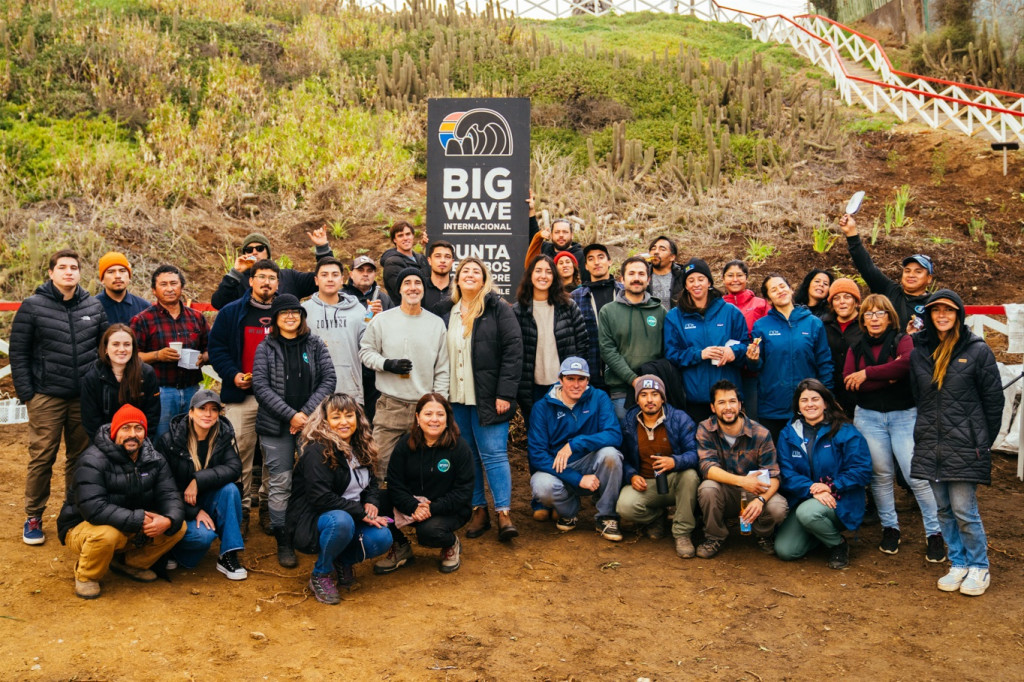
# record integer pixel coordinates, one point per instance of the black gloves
(398, 366)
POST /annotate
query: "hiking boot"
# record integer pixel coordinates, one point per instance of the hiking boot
(684, 547)
(450, 558)
(655, 530)
(951, 581)
(839, 557)
(479, 523)
(609, 529)
(87, 589)
(890, 543)
(285, 554)
(506, 529)
(346, 575)
(766, 544)
(243, 523)
(976, 582)
(399, 555)
(936, 549)
(265, 518)
(231, 567)
(33, 532)
(324, 589)
(543, 514)
(565, 524)
(709, 548)
(142, 575)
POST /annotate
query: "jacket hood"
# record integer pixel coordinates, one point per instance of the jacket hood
(50, 290)
(648, 302)
(930, 336)
(113, 451)
(799, 312)
(600, 283)
(395, 253)
(345, 301)
(739, 299)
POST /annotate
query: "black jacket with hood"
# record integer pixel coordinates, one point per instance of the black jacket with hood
(223, 465)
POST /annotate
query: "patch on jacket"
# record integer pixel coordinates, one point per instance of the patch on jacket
(444, 465)
(963, 360)
(774, 332)
(689, 325)
(652, 321)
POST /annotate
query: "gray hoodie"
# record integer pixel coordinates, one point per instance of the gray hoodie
(341, 327)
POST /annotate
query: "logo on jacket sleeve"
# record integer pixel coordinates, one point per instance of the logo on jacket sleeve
(444, 465)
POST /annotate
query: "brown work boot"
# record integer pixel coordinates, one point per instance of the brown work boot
(479, 523)
(87, 589)
(684, 547)
(142, 575)
(506, 529)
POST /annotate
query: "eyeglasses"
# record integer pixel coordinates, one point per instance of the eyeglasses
(254, 248)
(265, 278)
(876, 315)
(290, 313)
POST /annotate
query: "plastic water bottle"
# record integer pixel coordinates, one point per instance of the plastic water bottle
(745, 498)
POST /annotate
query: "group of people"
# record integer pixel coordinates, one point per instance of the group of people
(668, 400)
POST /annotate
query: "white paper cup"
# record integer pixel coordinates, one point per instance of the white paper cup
(176, 345)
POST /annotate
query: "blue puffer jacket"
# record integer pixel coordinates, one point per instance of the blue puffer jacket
(588, 426)
(791, 350)
(688, 334)
(681, 436)
(844, 457)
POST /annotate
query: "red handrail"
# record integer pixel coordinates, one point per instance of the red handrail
(12, 306)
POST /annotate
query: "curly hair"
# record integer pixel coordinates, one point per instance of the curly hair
(360, 445)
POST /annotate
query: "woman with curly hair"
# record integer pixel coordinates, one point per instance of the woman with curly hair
(333, 510)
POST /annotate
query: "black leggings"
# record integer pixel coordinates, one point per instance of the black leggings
(437, 531)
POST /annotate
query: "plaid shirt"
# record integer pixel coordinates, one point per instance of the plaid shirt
(753, 449)
(155, 328)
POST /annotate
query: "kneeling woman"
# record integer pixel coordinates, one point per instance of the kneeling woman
(430, 482)
(333, 510)
(824, 465)
(200, 449)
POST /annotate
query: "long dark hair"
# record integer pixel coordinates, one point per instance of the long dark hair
(557, 295)
(318, 430)
(834, 414)
(130, 390)
(448, 439)
(802, 296)
(764, 285)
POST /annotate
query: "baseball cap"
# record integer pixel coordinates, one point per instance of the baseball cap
(574, 367)
(204, 397)
(360, 261)
(922, 260)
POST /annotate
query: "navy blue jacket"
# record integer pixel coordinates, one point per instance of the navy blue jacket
(844, 458)
(225, 347)
(588, 310)
(122, 312)
(681, 436)
(791, 350)
(688, 334)
(588, 426)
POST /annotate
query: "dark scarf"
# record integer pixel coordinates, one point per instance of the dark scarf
(888, 341)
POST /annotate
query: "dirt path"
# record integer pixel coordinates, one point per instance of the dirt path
(548, 607)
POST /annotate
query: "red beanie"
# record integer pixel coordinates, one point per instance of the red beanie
(128, 414)
(568, 255)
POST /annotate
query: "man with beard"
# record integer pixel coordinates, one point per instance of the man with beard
(402, 256)
(561, 239)
(591, 298)
(659, 466)
(437, 287)
(239, 328)
(629, 332)
(667, 280)
(733, 450)
(124, 511)
(115, 276)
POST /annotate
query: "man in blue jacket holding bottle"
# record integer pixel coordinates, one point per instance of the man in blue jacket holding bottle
(573, 447)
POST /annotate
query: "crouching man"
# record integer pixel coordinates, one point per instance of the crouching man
(124, 511)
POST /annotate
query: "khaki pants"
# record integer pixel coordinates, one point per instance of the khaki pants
(243, 420)
(718, 502)
(48, 419)
(393, 419)
(646, 507)
(96, 546)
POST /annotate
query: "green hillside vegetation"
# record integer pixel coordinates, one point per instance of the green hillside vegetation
(164, 104)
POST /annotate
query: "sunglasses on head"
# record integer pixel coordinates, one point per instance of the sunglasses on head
(254, 248)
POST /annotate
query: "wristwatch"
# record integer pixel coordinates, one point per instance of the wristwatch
(760, 497)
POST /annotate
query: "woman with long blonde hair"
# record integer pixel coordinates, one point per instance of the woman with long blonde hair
(955, 380)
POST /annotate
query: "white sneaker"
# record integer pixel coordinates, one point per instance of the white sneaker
(171, 564)
(976, 582)
(951, 581)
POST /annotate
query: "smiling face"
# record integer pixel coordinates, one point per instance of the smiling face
(566, 269)
(845, 306)
(812, 406)
(726, 407)
(471, 279)
(817, 290)
(561, 234)
(779, 292)
(167, 289)
(66, 273)
(130, 437)
(943, 317)
(289, 322)
(343, 422)
(541, 277)
(411, 290)
(119, 348)
(433, 420)
(636, 278)
(573, 386)
(204, 416)
(404, 239)
(598, 264)
(915, 279)
(264, 285)
(697, 284)
(735, 280)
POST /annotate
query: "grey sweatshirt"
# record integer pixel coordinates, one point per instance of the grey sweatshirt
(341, 327)
(395, 335)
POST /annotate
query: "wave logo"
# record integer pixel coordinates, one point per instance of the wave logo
(477, 132)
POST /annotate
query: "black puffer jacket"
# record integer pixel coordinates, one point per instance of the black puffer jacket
(571, 339)
(497, 357)
(54, 342)
(112, 490)
(101, 397)
(223, 464)
(956, 426)
(317, 489)
(839, 342)
(269, 382)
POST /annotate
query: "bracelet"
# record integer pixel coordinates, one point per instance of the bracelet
(763, 501)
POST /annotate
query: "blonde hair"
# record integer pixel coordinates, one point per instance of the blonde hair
(943, 355)
(474, 308)
(193, 442)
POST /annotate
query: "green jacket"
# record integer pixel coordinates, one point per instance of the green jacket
(629, 335)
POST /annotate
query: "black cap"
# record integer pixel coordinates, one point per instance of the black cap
(286, 302)
(595, 247)
(410, 272)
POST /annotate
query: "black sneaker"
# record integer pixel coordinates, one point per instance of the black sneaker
(231, 567)
(840, 555)
(709, 548)
(566, 524)
(766, 544)
(936, 549)
(890, 541)
(609, 529)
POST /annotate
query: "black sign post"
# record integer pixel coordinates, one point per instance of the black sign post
(478, 180)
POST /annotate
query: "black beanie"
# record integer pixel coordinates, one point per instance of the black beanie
(697, 265)
(410, 272)
(284, 302)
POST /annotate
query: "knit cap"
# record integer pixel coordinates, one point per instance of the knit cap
(256, 238)
(844, 285)
(648, 382)
(112, 258)
(697, 265)
(128, 414)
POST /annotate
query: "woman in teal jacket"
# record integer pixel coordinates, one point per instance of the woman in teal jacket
(824, 464)
(698, 332)
(788, 345)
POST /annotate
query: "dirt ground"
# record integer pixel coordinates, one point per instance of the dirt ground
(548, 606)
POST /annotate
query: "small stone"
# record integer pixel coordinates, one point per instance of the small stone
(257, 635)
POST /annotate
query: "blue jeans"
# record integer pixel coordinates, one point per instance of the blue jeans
(750, 395)
(605, 463)
(279, 459)
(890, 436)
(620, 408)
(489, 445)
(961, 526)
(225, 508)
(173, 401)
(344, 540)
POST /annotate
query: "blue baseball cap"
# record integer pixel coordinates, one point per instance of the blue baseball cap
(922, 260)
(574, 367)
